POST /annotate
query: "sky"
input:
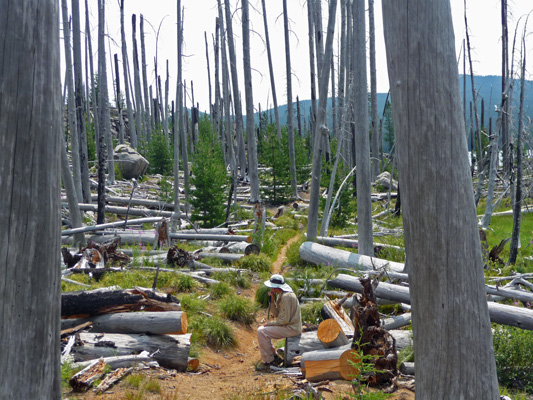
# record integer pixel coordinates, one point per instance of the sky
(160, 17)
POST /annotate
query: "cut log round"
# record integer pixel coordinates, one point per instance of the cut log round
(331, 335)
(171, 351)
(157, 323)
(330, 364)
(193, 364)
(333, 309)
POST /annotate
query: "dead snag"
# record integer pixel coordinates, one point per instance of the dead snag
(372, 339)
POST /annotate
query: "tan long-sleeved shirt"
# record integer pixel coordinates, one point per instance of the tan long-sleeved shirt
(286, 310)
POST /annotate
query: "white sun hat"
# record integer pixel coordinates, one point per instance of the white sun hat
(277, 281)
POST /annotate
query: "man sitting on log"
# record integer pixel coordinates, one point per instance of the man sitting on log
(285, 307)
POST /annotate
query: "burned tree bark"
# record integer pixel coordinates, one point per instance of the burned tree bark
(30, 125)
(443, 291)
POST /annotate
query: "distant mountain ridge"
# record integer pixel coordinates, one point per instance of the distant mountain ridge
(488, 88)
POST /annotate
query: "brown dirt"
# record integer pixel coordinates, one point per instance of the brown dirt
(226, 374)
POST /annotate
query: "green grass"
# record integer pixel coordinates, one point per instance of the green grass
(219, 290)
(176, 283)
(238, 309)
(214, 331)
(311, 312)
(236, 279)
(255, 263)
(192, 303)
(513, 351)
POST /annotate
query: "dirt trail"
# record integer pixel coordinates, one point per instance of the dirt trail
(225, 374)
(276, 266)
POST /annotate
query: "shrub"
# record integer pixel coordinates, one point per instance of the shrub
(177, 283)
(214, 331)
(219, 290)
(238, 309)
(255, 263)
(192, 304)
(513, 351)
(210, 182)
(160, 155)
(234, 278)
(261, 296)
(311, 312)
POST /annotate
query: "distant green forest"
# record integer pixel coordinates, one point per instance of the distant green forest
(488, 89)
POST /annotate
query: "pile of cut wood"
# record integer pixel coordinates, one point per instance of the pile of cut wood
(121, 329)
(338, 349)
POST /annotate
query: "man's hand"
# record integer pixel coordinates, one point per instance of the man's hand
(272, 295)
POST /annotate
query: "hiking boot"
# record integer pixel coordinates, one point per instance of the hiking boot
(278, 361)
(264, 367)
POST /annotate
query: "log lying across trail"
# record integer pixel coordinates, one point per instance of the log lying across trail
(319, 254)
(499, 313)
(171, 351)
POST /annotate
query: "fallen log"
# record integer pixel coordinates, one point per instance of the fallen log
(100, 227)
(78, 328)
(210, 237)
(228, 258)
(331, 335)
(296, 346)
(195, 275)
(333, 309)
(323, 255)
(396, 322)
(112, 378)
(499, 313)
(171, 351)
(131, 360)
(83, 304)
(407, 368)
(135, 201)
(83, 380)
(343, 242)
(330, 364)
(156, 323)
(145, 212)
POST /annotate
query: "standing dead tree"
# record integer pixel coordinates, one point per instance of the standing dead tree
(320, 129)
(30, 129)
(236, 93)
(444, 292)
(290, 108)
